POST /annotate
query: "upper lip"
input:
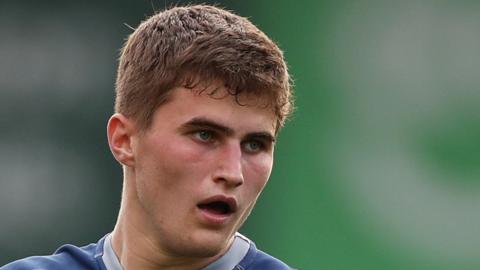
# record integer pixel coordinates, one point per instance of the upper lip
(230, 201)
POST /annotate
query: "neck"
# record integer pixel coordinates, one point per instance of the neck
(136, 245)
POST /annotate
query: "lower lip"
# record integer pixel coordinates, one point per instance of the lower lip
(214, 218)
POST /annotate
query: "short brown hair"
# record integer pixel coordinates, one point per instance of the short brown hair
(183, 46)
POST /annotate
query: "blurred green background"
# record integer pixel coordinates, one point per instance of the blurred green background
(378, 169)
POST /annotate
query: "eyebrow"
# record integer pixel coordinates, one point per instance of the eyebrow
(202, 122)
(261, 135)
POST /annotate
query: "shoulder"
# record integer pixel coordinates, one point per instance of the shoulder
(265, 261)
(66, 257)
(259, 260)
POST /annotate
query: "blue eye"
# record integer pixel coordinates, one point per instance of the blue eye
(253, 146)
(203, 135)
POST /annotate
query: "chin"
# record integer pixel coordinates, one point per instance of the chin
(203, 244)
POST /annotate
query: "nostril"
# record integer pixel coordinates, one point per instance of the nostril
(229, 165)
(231, 180)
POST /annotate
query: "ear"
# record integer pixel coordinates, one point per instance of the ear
(120, 130)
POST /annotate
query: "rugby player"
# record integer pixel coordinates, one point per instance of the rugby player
(201, 95)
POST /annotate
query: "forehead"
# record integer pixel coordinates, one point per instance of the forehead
(215, 103)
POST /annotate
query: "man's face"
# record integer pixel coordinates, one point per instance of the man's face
(199, 169)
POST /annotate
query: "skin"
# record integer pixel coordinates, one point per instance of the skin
(197, 146)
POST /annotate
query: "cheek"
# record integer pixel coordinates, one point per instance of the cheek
(257, 171)
(177, 162)
(165, 174)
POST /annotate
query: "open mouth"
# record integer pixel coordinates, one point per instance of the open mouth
(219, 205)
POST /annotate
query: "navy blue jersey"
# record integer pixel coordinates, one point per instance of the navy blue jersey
(91, 257)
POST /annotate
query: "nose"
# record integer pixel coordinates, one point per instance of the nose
(229, 168)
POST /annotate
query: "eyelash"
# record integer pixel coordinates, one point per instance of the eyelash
(261, 145)
(197, 135)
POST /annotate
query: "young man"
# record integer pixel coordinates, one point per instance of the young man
(201, 95)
